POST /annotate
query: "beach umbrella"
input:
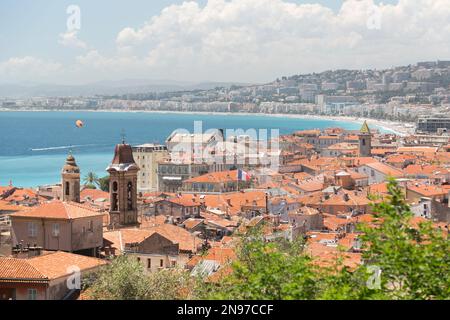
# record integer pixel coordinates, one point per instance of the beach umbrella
(79, 124)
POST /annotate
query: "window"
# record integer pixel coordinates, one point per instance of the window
(138, 259)
(161, 263)
(372, 173)
(130, 196)
(91, 226)
(149, 263)
(55, 230)
(67, 188)
(32, 229)
(32, 294)
(174, 264)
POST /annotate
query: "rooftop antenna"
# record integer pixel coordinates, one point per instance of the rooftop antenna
(123, 135)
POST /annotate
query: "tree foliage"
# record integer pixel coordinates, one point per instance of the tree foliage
(126, 279)
(414, 262)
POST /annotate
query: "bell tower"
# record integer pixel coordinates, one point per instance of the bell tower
(365, 141)
(123, 186)
(70, 180)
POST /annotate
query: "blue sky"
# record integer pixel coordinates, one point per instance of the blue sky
(30, 28)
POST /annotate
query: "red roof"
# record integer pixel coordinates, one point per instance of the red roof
(45, 267)
(60, 210)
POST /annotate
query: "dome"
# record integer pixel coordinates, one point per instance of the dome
(123, 159)
(71, 165)
(123, 154)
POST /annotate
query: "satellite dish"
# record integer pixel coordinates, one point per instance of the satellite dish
(79, 124)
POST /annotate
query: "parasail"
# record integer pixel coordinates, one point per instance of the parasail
(79, 124)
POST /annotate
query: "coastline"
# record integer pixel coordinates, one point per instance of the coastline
(395, 127)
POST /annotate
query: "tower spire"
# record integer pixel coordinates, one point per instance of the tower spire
(123, 135)
(70, 175)
(365, 128)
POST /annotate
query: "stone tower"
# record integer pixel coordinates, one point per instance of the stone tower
(70, 180)
(123, 187)
(365, 141)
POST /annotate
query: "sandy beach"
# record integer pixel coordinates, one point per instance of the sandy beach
(399, 128)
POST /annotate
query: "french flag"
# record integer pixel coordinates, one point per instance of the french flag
(243, 176)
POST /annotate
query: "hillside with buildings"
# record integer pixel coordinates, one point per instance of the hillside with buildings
(167, 208)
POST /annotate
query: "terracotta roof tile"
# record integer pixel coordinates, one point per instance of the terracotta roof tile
(60, 210)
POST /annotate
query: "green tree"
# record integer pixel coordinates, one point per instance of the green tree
(414, 260)
(123, 279)
(126, 279)
(104, 183)
(414, 263)
(91, 180)
(267, 270)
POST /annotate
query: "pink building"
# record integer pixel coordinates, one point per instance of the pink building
(65, 226)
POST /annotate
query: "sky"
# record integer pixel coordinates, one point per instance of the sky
(213, 40)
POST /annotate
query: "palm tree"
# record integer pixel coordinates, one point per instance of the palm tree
(91, 180)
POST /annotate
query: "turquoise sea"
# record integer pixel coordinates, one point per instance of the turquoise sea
(34, 145)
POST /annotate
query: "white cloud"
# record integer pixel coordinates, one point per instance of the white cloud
(259, 40)
(29, 69)
(70, 39)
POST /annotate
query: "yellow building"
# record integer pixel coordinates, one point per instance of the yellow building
(147, 157)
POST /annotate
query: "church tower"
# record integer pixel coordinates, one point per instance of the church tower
(365, 141)
(123, 186)
(70, 180)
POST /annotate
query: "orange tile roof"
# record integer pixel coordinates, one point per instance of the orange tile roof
(353, 200)
(6, 206)
(13, 268)
(310, 186)
(45, 267)
(94, 194)
(428, 191)
(60, 210)
(232, 201)
(19, 194)
(184, 201)
(385, 169)
(55, 265)
(192, 223)
(416, 169)
(417, 149)
(333, 222)
(185, 240)
(215, 177)
(221, 255)
(378, 188)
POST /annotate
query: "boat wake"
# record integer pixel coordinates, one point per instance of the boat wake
(64, 147)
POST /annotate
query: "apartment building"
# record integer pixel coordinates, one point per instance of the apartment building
(147, 157)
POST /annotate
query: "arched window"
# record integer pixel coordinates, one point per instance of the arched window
(115, 198)
(130, 195)
(67, 188)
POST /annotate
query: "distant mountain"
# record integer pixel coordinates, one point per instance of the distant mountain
(112, 87)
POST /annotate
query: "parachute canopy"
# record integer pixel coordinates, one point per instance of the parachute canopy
(79, 123)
